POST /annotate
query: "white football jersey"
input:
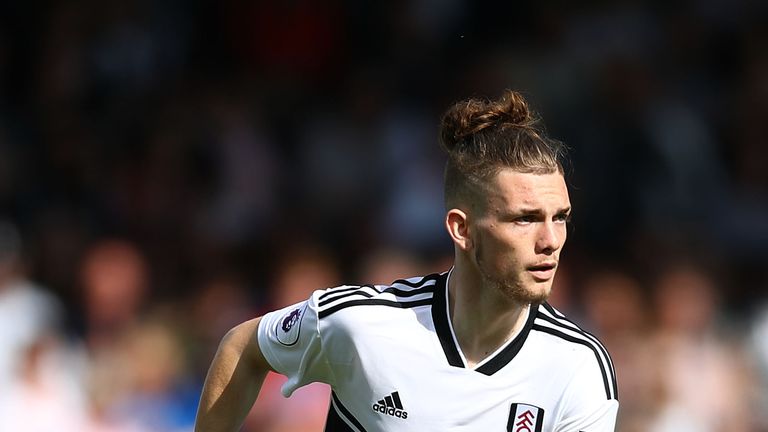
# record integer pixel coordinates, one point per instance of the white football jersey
(391, 357)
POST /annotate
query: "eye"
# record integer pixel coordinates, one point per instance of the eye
(525, 219)
(563, 217)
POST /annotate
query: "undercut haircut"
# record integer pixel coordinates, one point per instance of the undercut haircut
(482, 137)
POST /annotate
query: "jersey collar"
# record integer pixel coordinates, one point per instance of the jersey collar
(445, 334)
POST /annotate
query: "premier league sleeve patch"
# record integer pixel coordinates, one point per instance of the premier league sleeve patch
(525, 418)
(288, 327)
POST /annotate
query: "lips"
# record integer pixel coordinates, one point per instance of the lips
(543, 271)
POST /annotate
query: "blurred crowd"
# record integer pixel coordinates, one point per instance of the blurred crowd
(169, 169)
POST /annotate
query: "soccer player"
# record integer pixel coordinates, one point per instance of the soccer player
(475, 348)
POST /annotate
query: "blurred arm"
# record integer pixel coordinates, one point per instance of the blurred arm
(233, 380)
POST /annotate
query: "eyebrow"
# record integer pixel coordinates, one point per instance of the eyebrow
(535, 211)
(538, 213)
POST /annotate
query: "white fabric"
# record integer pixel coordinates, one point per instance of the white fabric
(370, 343)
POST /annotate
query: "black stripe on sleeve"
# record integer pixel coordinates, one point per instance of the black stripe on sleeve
(373, 302)
(420, 282)
(360, 292)
(586, 334)
(579, 341)
(338, 290)
(410, 293)
(337, 412)
(334, 291)
(554, 311)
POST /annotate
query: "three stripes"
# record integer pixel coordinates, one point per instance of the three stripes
(392, 401)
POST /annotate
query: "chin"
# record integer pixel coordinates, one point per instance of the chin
(532, 294)
(536, 297)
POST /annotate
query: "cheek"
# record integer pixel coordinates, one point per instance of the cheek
(506, 248)
(564, 232)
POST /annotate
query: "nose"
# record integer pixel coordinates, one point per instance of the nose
(550, 238)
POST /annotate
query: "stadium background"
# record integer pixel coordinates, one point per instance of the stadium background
(168, 169)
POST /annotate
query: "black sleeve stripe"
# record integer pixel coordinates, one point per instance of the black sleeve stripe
(564, 320)
(568, 324)
(569, 338)
(573, 327)
(606, 358)
(340, 419)
(361, 291)
(339, 290)
(358, 292)
(419, 282)
(373, 302)
(554, 311)
(410, 293)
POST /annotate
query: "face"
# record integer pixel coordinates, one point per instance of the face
(518, 232)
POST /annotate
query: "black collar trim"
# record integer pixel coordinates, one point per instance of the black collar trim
(444, 334)
(442, 327)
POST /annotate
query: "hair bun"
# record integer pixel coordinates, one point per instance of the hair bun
(472, 116)
(513, 109)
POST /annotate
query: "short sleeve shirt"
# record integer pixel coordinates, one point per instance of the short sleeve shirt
(391, 357)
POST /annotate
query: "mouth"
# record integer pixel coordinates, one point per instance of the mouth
(543, 271)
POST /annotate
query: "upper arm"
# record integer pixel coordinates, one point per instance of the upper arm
(233, 381)
(238, 362)
(243, 338)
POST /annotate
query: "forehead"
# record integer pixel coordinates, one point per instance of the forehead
(515, 190)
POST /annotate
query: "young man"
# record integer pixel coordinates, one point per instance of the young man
(475, 348)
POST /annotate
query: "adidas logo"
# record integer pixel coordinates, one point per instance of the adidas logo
(391, 405)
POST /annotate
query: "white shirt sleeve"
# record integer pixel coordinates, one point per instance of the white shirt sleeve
(290, 340)
(588, 409)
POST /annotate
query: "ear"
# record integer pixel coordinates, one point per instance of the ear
(457, 223)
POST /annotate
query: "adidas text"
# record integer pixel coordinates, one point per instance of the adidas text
(391, 405)
(390, 411)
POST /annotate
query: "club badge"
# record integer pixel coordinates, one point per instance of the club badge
(525, 418)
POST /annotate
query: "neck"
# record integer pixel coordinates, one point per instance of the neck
(483, 318)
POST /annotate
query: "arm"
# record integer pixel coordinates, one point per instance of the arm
(233, 380)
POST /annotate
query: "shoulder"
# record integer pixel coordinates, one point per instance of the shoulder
(400, 294)
(566, 338)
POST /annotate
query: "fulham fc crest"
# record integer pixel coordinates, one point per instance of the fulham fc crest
(289, 326)
(525, 418)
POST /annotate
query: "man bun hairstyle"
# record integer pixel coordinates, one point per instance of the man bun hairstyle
(482, 137)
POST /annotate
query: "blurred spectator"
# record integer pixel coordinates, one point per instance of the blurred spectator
(222, 302)
(244, 199)
(28, 313)
(156, 393)
(38, 372)
(115, 282)
(759, 347)
(704, 376)
(617, 310)
(383, 266)
(114, 279)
